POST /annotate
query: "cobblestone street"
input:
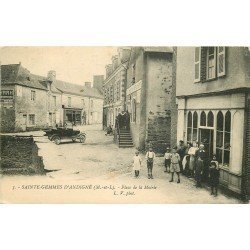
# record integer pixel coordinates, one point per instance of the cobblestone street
(100, 163)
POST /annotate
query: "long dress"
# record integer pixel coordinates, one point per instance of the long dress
(137, 162)
(192, 152)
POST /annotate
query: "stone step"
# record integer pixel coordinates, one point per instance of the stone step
(126, 146)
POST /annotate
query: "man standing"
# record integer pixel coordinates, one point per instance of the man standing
(201, 157)
(181, 151)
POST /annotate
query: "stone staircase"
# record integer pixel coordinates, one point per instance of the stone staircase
(125, 139)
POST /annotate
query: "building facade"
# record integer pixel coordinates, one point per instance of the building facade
(150, 97)
(30, 102)
(213, 86)
(23, 100)
(114, 87)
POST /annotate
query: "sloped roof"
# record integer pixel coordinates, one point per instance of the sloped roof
(158, 49)
(16, 74)
(76, 89)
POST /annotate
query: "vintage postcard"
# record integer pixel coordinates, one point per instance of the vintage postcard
(164, 125)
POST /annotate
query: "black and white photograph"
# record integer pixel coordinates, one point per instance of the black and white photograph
(132, 124)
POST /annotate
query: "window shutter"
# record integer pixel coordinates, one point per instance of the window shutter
(221, 65)
(197, 64)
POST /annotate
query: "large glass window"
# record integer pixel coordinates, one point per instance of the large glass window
(189, 127)
(223, 135)
(210, 119)
(195, 127)
(203, 119)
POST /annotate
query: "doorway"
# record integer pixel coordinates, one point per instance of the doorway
(206, 138)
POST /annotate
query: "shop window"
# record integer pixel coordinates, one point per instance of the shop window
(32, 119)
(210, 119)
(195, 126)
(223, 135)
(203, 119)
(192, 126)
(189, 127)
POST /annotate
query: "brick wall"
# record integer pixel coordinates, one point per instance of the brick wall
(19, 155)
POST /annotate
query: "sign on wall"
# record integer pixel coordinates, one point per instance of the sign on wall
(7, 94)
(7, 98)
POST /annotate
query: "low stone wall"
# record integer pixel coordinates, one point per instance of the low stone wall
(19, 155)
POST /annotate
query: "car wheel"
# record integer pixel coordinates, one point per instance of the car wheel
(73, 140)
(82, 138)
(57, 140)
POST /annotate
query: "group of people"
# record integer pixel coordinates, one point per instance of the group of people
(123, 120)
(191, 160)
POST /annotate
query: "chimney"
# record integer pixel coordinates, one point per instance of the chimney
(98, 82)
(88, 84)
(51, 76)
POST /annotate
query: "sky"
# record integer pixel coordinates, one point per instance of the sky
(72, 64)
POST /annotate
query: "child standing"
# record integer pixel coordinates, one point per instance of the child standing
(175, 166)
(150, 155)
(167, 160)
(137, 164)
(214, 176)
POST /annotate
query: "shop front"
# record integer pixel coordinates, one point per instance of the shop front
(73, 115)
(218, 123)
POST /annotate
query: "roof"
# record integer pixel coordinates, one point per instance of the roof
(76, 89)
(158, 49)
(16, 74)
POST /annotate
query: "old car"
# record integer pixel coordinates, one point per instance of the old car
(60, 133)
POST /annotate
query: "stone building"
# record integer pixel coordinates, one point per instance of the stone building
(114, 86)
(150, 97)
(23, 100)
(30, 102)
(213, 86)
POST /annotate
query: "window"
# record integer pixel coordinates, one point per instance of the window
(221, 65)
(134, 110)
(197, 64)
(189, 127)
(133, 73)
(83, 102)
(33, 95)
(54, 101)
(192, 126)
(209, 63)
(69, 101)
(210, 119)
(195, 126)
(203, 119)
(223, 135)
(31, 119)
